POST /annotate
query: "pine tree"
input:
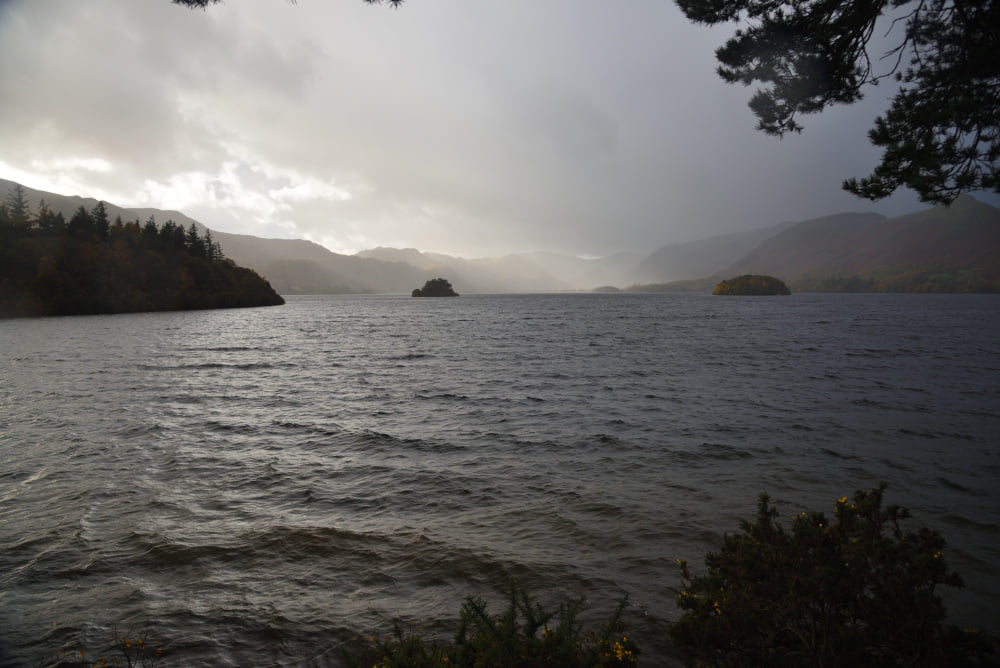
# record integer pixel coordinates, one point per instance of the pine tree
(941, 134)
(47, 221)
(212, 250)
(102, 224)
(18, 213)
(81, 224)
(149, 230)
(194, 243)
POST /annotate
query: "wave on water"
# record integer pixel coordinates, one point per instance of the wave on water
(259, 492)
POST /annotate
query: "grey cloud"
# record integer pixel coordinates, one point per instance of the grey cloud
(470, 128)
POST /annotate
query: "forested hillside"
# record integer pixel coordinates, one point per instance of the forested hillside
(90, 264)
(942, 249)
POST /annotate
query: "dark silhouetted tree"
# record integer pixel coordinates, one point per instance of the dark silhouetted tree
(941, 134)
(47, 222)
(102, 224)
(212, 248)
(173, 235)
(81, 224)
(194, 243)
(18, 213)
(149, 229)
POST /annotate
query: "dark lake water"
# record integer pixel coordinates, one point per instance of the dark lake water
(256, 487)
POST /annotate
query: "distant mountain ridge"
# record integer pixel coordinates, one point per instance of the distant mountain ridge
(870, 252)
(819, 242)
(296, 266)
(955, 248)
(695, 259)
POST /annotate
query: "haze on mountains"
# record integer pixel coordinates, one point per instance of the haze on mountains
(472, 129)
(954, 248)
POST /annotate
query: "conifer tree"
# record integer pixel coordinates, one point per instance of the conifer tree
(213, 252)
(194, 242)
(81, 224)
(941, 134)
(99, 216)
(18, 213)
(149, 230)
(49, 222)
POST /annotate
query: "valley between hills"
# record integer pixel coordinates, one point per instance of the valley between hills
(940, 249)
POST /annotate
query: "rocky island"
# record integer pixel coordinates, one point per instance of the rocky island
(436, 287)
(753, 285)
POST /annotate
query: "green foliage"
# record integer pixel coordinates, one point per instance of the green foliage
(126, 651)
(901, 279)
(436, 287)
(940, 135)
(854, 590)
(525, 634)
(48, 267)
(15, 208)
(753, 285)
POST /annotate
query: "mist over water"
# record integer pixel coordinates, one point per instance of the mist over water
(259, 486)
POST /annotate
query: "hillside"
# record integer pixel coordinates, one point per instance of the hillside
(696, 259)
(584, 273)
(510, 273)
(295, 266)
(939, 249)
(943, 249)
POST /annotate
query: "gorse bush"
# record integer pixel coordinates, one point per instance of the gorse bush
(127, 651)
(525, 634)
(851, 590)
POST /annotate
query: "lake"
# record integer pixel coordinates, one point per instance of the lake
(259, 486)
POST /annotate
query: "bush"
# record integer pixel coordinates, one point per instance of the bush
(126, 651)
(852, 591)
(520, 636)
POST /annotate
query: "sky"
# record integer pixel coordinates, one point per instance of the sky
(465, 127)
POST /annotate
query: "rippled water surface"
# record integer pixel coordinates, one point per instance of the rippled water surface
(258, 486)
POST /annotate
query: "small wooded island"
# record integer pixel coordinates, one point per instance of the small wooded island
(436, 287)
(752, 285)
(91, 265)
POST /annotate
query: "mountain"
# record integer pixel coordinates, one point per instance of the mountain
(696, 259)
(587, 273)
(944, 249)
(295, 266)
(819, 242)
(292, 266)
(953, 248)
(510, 273)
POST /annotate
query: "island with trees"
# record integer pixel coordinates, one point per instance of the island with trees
(90, 265)
(752, 285)
(436, 287)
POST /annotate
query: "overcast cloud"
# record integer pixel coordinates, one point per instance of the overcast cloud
(470, 128)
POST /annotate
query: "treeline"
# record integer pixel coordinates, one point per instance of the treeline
(91, 264)
(928, 279)
(752, 284)
(912, 279)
